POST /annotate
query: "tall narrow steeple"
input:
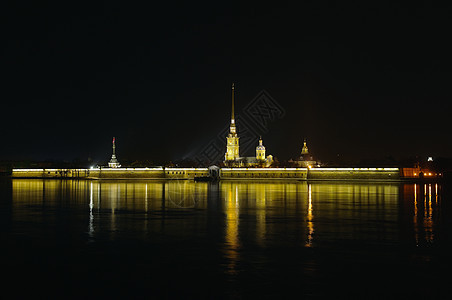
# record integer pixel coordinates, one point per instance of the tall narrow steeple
(232, 145)
(232, 127)
(232, 114)
(114, 163)
(114, 148)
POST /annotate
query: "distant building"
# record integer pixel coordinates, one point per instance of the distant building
(114, 163)
(260, 160)
(306, 159)
(232, 157)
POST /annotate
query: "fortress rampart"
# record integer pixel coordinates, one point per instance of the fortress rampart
(225, 173)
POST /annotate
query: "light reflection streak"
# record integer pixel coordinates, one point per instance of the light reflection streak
(146, 198)
(310, 218)
(91, 216)
(232, 226)
(424, 212)
(415, 224)
(428, 220)
(436, 193)
(261, 213)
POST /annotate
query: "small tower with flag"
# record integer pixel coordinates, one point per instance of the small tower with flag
(114, 163)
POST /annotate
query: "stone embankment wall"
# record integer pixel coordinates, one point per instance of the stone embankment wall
(107, 173)
(263, 173)
(225, 173)
(354, 174)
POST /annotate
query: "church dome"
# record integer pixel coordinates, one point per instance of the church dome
(260, 146)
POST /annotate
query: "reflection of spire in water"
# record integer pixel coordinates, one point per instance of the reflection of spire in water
(310, 218)
(232, 226)
(115, 197)
(260, 211)
(415, 224)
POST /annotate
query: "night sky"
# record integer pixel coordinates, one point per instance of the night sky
(361, 82)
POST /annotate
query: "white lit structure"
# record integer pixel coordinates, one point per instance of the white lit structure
(114, 163)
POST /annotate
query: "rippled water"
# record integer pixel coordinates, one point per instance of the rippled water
(234, 239)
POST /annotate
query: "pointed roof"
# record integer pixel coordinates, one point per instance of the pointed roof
(260, 146)
(304, 150)
(232, 128)
(232, 110)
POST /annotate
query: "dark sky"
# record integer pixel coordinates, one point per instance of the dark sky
(358, 81)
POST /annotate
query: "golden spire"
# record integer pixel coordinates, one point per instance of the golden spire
(232, 127)
(232, 115)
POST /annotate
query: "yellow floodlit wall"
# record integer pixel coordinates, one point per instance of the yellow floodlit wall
(225, 173)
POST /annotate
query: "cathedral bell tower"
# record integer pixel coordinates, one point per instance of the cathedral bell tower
(232, 145)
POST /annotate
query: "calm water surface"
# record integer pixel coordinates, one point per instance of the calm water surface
(234, 239)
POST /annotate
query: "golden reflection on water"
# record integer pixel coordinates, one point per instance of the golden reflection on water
(426, 202)
(291, 212)
(310, 218)
(232, 242)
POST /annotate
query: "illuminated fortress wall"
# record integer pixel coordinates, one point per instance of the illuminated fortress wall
(185, 173)
(89, 173)
(114, 173)
(225, 173)
(263, 173)
(354, 174)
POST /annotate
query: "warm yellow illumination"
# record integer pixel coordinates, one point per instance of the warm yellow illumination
(232, 227)
(309, 219)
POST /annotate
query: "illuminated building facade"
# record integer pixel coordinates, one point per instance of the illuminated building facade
(306, 160)
(260, 151)
(232, 157)
(232, 140)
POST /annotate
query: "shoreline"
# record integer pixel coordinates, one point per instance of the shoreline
(226, 174)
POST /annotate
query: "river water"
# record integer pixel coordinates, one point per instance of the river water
(233, 239)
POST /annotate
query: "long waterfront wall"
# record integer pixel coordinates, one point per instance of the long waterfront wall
(112, 173)
(263, 173)
(354, 174)
(225, 173)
